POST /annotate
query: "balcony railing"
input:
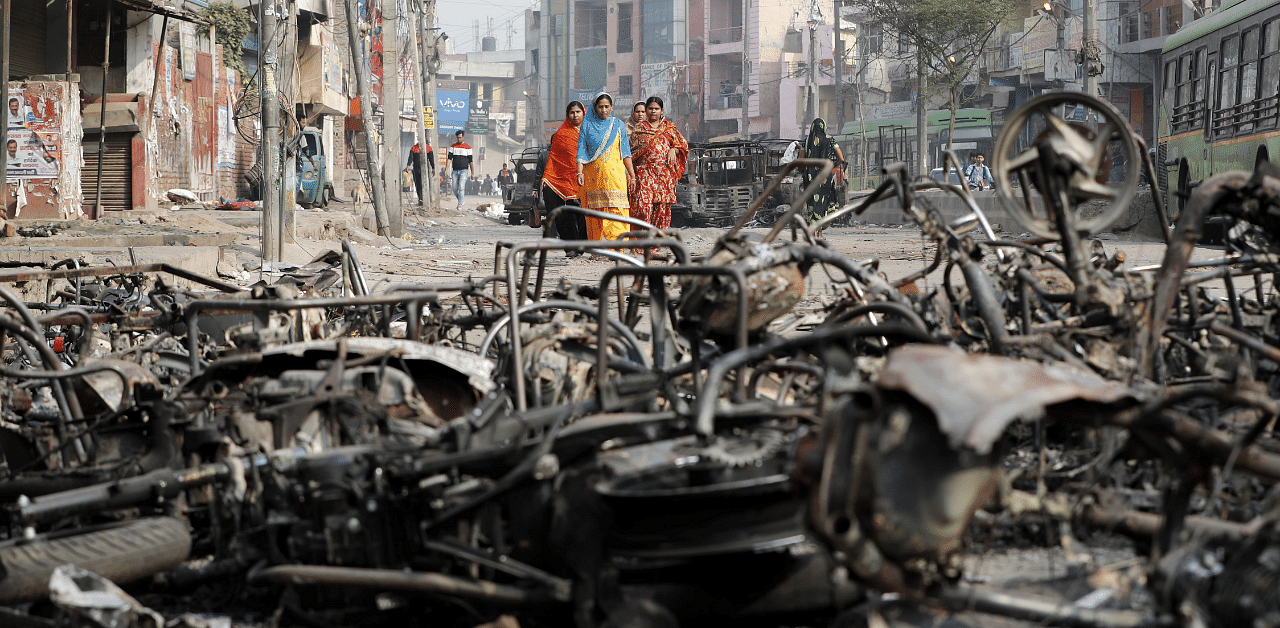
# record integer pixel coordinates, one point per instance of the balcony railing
(726, 101)
(725, 35)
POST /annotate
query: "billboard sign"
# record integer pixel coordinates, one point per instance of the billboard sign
(453, 108)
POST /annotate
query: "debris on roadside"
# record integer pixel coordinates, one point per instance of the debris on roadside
(681, 441)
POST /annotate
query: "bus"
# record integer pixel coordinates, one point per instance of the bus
(1219, 106)
(886, 141)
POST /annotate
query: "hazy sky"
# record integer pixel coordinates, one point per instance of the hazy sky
(458, 19)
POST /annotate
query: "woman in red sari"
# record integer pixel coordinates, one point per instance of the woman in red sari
(660, 162)
(560, 177)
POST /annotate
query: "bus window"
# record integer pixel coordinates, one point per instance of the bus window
(1249, 66)
(1227, 79)
(1170, 84)
(1270, 59)
(1197, 87)
(1184, 80)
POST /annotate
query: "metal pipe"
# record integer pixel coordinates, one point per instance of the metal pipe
(1135, 522)
(396, 579)
(155, 79)
(1045, 612)
(102, 113)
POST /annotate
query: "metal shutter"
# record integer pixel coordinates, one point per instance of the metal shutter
(117, 172)
(27, 32)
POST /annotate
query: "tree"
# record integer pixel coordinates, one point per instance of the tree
(948, 38)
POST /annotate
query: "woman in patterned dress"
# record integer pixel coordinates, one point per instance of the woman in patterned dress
(605, 172)
(660, 155)
(819, 145)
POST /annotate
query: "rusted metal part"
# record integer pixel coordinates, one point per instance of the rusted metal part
(1221, 188)
(1146, 524)
(398, 580)
(976, 396)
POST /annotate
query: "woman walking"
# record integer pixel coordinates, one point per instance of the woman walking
(637, 116)
(660, 155)
(560, 178)
(605, 172)
(820, 146)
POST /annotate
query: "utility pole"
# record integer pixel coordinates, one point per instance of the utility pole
(1090, 50)
(4, 115)
(393, 173)
(418, 36)
(812, 109)
(922, 117)
(432, 63)
(837, 46)
(289, 169)
(744, 124)
(376, 189)
(269, 18)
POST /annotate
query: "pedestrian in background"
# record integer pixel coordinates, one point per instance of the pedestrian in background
(660, 154)
(978, 174)
(560, 180)
(415, 158)
(605, 173)
(819, 145)
(461, 164)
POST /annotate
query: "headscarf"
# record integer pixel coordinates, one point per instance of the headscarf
(817, 146)
(647, 131)
(597, 134)
(561, 173)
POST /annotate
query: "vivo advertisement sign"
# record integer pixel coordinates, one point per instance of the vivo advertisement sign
(454, 107)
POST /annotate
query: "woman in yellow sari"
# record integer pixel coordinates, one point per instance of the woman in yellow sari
(605, 172)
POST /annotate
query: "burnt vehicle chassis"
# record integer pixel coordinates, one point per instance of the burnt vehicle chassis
(522, 197)
(669, 445)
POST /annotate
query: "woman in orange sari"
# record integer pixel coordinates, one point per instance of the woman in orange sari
(660, 154)
(604, 168)
(560, 177)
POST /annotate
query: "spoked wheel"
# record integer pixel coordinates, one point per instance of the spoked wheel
(1099, 152)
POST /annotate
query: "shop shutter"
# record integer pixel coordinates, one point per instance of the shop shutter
(27, 54)
(117, 172)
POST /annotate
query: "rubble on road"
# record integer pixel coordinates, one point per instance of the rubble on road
(677, 442)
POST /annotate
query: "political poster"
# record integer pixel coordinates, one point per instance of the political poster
(33, 148)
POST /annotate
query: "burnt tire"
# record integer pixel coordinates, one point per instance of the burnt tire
(119, 553)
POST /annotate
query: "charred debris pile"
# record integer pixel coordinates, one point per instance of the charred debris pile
(650, 450)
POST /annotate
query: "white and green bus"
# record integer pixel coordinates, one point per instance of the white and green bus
(1219, 104)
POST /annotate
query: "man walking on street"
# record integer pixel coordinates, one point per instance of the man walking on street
(978, 174)
(461, 164)
(415, 158)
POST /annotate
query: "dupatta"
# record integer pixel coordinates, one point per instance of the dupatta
(596, 135)
(560, 173)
